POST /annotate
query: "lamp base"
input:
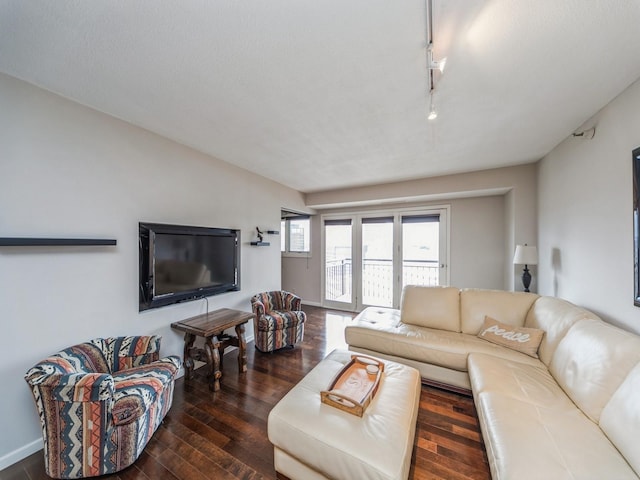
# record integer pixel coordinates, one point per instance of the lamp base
(526, 279)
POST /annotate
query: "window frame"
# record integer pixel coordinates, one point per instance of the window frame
(636, 225)
(285, 225)
(443, 211)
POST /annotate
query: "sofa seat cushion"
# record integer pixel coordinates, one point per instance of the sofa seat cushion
(159, 373)
(528, 441)
(533, 430)
(279, 320)
(529, 382)
(380, 330)
(137, 389)
(620, 418)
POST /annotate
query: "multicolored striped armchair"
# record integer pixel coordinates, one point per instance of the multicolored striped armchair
(279, 322)
(100, 402)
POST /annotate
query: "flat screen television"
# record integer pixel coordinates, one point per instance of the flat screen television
(180, 263)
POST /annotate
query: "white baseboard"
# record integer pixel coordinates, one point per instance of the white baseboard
(313, 304)
(20, 454)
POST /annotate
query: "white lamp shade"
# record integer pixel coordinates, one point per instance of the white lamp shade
(525, 255)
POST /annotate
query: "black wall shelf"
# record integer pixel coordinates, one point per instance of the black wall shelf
(260, 242)
(53, 242)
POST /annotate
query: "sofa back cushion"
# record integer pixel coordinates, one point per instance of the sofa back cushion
(82, 358)
(133, 351)
(555, 317)
(620, 419)
(506, 307)
(432, 307)
(276, 300)
(592, 361)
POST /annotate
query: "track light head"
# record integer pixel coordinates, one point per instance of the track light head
(433, 112)
(433, 64)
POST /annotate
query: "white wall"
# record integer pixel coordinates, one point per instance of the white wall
(492, 211)
(301, 274)
(518, 184)
(585, 214)
(66, 171)
(477, 243)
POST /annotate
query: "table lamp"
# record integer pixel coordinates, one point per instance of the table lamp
(526, 255)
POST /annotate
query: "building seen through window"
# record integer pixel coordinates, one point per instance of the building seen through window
(296, 233)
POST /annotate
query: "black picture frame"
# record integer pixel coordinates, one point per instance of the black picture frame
(636, 225)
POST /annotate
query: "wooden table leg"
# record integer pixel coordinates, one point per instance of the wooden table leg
(242, 349)
(221, 355)
(213, 360)
(189, 338)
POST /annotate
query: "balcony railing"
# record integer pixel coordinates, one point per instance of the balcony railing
(377, 279)
(338, 280)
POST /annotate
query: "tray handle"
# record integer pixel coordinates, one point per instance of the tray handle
(335, 397)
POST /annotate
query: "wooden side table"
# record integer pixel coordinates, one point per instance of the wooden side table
(211, 326)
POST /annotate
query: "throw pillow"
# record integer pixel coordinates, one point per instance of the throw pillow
(521, 339)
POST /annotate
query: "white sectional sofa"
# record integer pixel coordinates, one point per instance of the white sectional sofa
(569, 409)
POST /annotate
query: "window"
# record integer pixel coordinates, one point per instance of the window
(296, 233)
(370, 256)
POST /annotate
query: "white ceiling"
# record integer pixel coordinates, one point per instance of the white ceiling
(324, 94)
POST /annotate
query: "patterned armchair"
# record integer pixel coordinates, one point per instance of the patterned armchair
(279, 322)
(100, 402)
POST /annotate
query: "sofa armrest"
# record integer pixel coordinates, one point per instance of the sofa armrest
(291, 301)
(258, 307)
(137, 388)
(174, 360)
(72, 387)
(127, 409)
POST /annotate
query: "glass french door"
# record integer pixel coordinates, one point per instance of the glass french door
(338, 262)
(369, 258)
(377, 266)
(421, 260)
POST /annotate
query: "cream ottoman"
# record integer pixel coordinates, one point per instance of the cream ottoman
(312, 440)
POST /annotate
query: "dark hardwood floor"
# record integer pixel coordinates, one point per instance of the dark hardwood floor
(224, 435)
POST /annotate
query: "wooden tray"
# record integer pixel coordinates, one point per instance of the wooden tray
(355, 385)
